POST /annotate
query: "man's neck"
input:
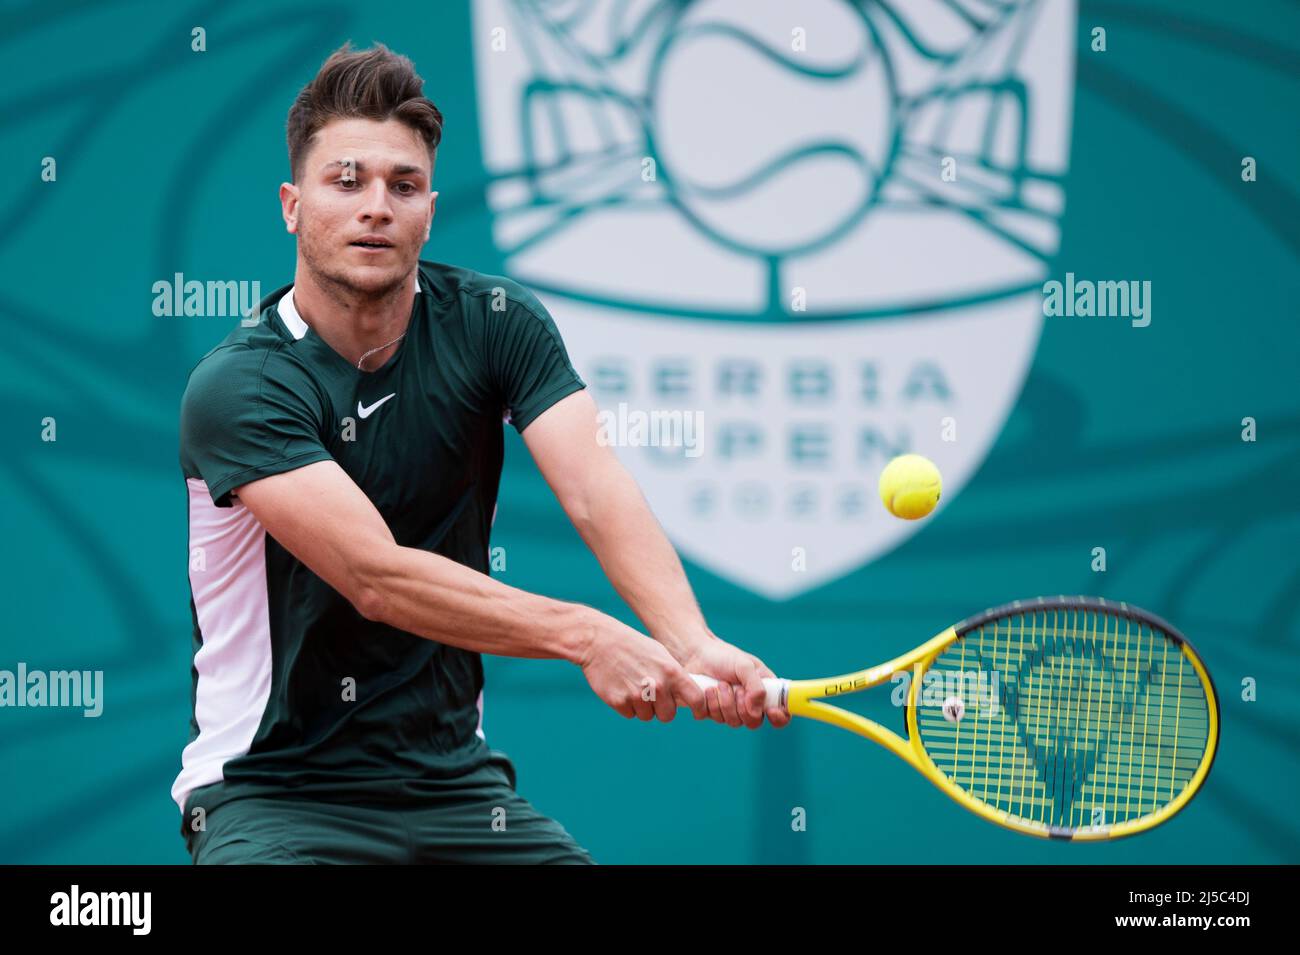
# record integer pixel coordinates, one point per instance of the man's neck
(353, 325)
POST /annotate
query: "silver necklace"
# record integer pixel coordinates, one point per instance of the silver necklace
(362, 359)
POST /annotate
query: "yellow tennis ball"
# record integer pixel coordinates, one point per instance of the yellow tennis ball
(910, 486)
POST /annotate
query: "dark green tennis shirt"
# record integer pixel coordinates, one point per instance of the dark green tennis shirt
(293, 690)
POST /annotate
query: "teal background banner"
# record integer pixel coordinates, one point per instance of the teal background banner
(1122, 437)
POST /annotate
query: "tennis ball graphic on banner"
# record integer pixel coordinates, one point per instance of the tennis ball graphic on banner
(758, 178)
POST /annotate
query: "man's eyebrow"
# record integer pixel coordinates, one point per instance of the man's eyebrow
(357, 165)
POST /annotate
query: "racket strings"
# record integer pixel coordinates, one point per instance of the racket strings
(1072, 718)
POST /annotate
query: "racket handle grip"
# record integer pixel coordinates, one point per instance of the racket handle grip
(776, 688)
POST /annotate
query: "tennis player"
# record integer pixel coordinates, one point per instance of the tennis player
(342, 459)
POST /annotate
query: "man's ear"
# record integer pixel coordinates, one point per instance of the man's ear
(433, 203)
(289, 198)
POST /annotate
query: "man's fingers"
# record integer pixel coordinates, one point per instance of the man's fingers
(713, 700)
(754, 692)
(730, 705)
(778, 716)
(688, 693)
(665, 703)
(645, 709)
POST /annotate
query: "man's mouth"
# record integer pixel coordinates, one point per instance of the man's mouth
(372, 244)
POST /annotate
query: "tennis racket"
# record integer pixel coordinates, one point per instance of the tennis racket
(1063, 717)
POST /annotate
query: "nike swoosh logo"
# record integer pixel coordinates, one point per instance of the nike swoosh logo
(365, 412)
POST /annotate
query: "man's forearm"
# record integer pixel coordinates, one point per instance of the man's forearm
(439, 599)
(639, 560)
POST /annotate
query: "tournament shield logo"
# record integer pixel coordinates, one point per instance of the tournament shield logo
(810, 235)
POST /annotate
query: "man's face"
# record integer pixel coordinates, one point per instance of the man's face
(361, 207)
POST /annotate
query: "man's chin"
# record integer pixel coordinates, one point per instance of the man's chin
(374, 279)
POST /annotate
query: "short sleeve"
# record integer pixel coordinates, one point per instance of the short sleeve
(246, 416)
(527, 357)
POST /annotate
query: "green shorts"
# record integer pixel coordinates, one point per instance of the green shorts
(477, 818)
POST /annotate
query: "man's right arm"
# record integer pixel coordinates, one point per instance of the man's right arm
(319, 515)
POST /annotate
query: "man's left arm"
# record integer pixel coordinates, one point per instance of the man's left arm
(611, 514)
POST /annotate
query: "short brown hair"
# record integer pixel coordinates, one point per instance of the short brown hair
(365, 84)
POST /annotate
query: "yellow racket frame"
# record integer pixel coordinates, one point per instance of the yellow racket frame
(804, 698)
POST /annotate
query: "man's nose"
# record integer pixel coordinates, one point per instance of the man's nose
(377, 203)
